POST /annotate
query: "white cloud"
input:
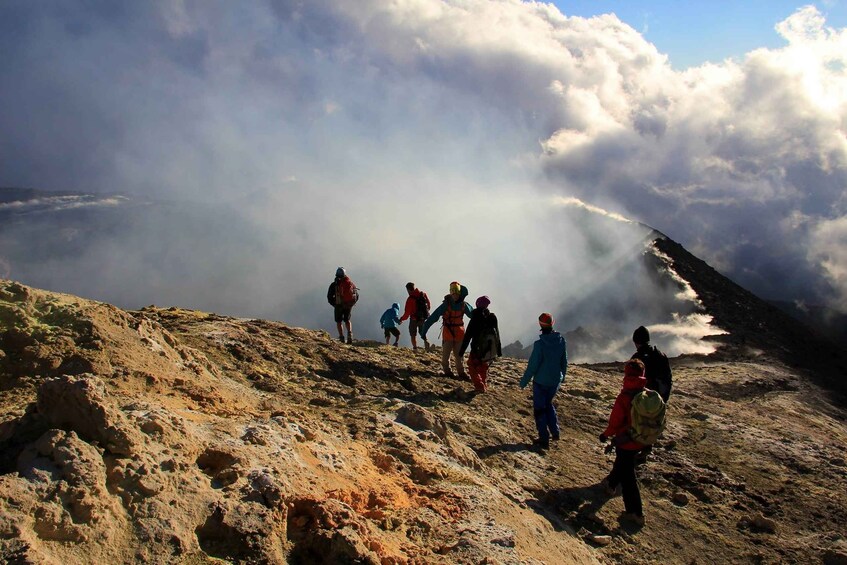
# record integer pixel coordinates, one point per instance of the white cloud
(435, 131)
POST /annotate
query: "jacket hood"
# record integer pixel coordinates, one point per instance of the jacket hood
(396, 306)
(551, 339)
(634, 383)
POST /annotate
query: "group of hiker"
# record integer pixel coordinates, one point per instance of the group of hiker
(638, 415)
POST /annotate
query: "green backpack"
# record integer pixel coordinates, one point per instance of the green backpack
(647, 417)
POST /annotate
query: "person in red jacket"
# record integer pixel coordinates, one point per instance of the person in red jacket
(417, 309)
(623, 470)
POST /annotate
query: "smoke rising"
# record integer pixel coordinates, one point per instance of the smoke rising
(421, 141)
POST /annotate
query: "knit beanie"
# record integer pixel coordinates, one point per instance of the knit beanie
(545, 320)
(641, 335)
(482, 302)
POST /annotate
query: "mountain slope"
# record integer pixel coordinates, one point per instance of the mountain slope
(756, 329)
(181, 436)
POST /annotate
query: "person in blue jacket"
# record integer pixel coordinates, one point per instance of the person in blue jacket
(453, 310)
(389, 321)
(547, 367)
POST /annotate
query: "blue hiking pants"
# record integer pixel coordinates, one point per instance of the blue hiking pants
(546, 419)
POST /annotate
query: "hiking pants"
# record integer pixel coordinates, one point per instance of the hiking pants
(448, 347)
(623, 473)
(478, 370)
(546, 419)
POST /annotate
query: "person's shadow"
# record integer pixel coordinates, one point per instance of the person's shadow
(488, 451)
(578, 508)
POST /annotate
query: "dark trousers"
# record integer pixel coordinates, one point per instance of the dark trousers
(546, 419)
(623, 473)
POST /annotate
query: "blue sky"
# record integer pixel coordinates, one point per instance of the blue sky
(692, 33)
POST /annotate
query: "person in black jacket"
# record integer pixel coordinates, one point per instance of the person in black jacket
(658, 369)
(483, 335)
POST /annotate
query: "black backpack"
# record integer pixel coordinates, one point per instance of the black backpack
(485, 344)
(657, 367)
(422, 305)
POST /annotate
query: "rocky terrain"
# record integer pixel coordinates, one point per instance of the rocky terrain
(174, 436)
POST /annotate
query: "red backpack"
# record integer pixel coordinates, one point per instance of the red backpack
(346, 292)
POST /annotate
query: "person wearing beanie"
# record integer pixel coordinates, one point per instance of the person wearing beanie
(389, 321)
(416, 311)
(453, 311)
(547, 368)
(657, 368)
(626, 450)
(342, 295)
(483, 336)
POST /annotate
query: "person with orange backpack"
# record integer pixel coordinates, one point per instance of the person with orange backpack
(452, 310)
(343, 295)
(416, 311)
(620, 430)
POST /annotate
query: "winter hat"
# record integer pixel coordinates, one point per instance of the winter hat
(641, 335)
(340, 272)
(545, 320)
(483, 302)
(633, 368)
(455, 287)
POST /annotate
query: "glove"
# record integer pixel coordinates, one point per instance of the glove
(603, 438)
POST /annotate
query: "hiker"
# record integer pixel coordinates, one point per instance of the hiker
(547, 368)
(483, 335)
(389, 321)
(342, 295)
(626, 449)
(453, 309)
(657, 367)
(416, 311)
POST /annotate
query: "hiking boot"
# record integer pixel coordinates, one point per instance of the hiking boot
(555, 437)
(350, 339)
(426, 345)
(341, 338)
(608, 490)
(395, 344)
(448, 374)
(539, 444)
(636, 519)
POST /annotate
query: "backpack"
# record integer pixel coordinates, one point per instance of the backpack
(422, 306)
(347, 292)
(488, 339)
(647, 417)
(657, 367)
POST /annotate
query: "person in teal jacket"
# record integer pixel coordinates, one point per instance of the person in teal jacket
(389, 321)
(453, 310)
(547, 368)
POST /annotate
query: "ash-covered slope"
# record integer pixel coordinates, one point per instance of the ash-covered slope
(187, 437)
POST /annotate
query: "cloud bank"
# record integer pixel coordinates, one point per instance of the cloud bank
(414, 140)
